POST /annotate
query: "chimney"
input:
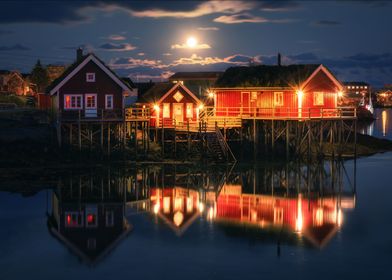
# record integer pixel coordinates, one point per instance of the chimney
(79, 54)
(279, 60)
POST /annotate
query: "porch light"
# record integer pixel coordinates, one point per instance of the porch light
(201, 106)
(340, 93)
(210, 94)
(156, 107)
(300, 92)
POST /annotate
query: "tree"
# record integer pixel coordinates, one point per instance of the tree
(40, 77)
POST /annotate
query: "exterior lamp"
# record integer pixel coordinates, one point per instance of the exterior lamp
(340, 94)
(210, 94)
(201, 106)
(156, 107)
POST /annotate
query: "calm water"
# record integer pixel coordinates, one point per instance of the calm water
(271, 220)
(381, 127)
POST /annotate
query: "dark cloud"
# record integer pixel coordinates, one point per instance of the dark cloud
(117, 47)
(327, 23)
(278, 6)
(16, 47)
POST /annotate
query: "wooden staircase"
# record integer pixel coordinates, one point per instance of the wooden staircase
(217, 146)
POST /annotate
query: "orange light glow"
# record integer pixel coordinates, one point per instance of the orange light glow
(178, 218)
(156, 208)
(384, 122)
(201, 207)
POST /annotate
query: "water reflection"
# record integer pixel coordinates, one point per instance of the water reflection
(381, 127)
(293, 203)
(88, 215)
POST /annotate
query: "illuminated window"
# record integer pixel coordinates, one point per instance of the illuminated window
(365, 87)
(109, 101)
(348, 87)
(278, 98)
(91, 101)
(166, 110)
(178, 204)
(178, 96)
(73, 219)
(254, 95)
(189, 205)
(318, 98)
(73, 101)
(357, 87)
(166, 204)
(189, 110)
(109, 218)
(90, 77)
(91, 217)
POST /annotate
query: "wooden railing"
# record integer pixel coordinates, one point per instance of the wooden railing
(278, 113)
(91, 115)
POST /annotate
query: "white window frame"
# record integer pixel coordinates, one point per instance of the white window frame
(90, 95)
(278, 98)
(189, 114)
(315, 98)
(92, 79)
(73, 96)
(166, 113)
(106, 101)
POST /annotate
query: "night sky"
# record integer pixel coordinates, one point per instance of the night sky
(148, 39)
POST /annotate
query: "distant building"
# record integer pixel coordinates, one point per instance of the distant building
(354, 93)
(197, 82)
(13, 82)
(384, 97)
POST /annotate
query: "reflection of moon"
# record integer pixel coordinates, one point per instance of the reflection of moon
(191, 42)
(178, 218)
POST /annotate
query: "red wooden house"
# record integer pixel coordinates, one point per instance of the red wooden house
(172, 105)
(89, 89)
(293, 91)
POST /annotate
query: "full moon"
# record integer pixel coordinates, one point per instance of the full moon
(191, 42)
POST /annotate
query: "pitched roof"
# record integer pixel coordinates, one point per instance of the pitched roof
(78, 63)
(128, 82)
(155, 92)
(266, 75)
(195, 76)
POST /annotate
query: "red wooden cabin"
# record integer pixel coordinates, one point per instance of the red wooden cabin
(293, 91)
(172, 105)
(88, 89)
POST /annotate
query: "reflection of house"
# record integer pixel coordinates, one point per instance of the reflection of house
(317, 219)
(268, 91)
(178, 207)
(90, 222)
(197, 82)
(91, 88)
(12, 82)
(172, 104)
